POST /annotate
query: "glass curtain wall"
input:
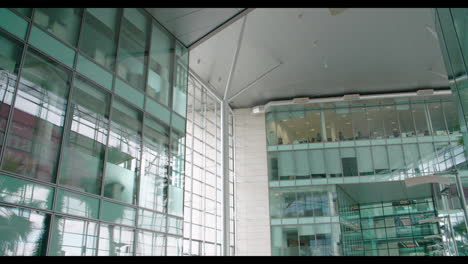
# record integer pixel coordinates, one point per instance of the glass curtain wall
(203, 205)
(92, 148)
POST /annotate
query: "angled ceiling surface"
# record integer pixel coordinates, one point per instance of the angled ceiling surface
(191, 24)
(323, 53)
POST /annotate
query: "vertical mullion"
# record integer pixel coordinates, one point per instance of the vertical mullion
(191, 161)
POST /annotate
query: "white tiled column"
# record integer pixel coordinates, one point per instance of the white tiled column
(252, 215)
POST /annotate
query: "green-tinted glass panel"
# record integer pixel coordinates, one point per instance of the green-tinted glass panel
(18, 191)
(24, 11)
(133, 47)
(73, 237)
(99, 37)
(123, 157)
(117, 213)
(150, 244)
(115, 241)
(94, 72)
(174, 225)
(129, 93)
(177, 172)
(38, 119)
(160, 59)
(179, 100)
(174, 246)
(158, 110)
(151, 220)
(178, 122)
(77, 204)
(62, 22)
(85, 143)
(155, 162)
(13, 23)
(24, 232)
(51, 46)
(10, 56)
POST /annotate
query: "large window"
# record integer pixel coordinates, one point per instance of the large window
(92, 151)
(99, 37)
(133, 48)
(62, 22)
(123, 158)
(83, 160)
(38, 117)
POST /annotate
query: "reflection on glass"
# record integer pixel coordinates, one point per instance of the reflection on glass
(451, 116)
(62, 22)
(99, 37)
(437, 121)
(151, 220)
(117, 213)
(77, 204)
(24, 232)
(176, 183)
(115, 241)
(420, 119)
(174, 225)
(83, 156)
(133, 47)
(174, 246)
(24, 11)
(405, 119)
(73, 237)
(155, 161)
(160, 64)
(18, 191)
(181, 78)
(374, 117)
(359, 123)
(150, 244)
(390, 120)
(380, 159)
(285, 240)
(123, 157)
(270, 128)
(332, 163)
(37, 119)
(10, 56)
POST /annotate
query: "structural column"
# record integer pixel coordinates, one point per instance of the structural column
(225, 167)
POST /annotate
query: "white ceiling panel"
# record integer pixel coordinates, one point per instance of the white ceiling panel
(360, 50)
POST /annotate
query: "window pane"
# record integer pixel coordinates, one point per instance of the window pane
(179, 101)
(155, 161)
(390, 119)
(437, 119)
(115, 241)
(160, 65)
(39, 117)
(420, 118)
(133, 47)
(99, 37)
(85, 143)
(177, 173)
(123, 157)
(24, 232)
(150, 244)
(360, 123)
(10, 56)
(77, 204)
(62, 22)
(405, 119)
(72, 237)
(375, 119)
(151, 220)
(451, 116)
(117, 213)
(18, 191)
(24, 11)
(174, 246)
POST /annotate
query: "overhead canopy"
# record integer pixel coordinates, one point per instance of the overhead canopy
(323, 53)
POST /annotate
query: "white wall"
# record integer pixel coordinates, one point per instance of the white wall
(252, 215)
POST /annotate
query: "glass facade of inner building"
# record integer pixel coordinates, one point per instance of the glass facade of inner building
(92, 157)
(315, 149)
